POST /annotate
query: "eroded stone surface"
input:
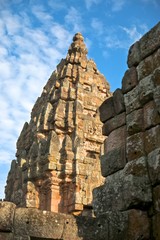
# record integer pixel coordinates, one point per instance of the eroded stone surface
(6, 216)
(127, 188)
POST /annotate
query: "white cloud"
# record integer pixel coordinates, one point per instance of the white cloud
(73, 19)
(117, 5)
(123, 37)
(155, 3)
(132, 33)
(113, 42)
(57, 5)
(42, 15)
(97, 25)
(89, 3)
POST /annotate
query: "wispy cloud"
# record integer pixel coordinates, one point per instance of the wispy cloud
(117, 5)
(89, 3)
(97, 25)
(122, 37)
(133, 33)
(155, 3)
(74, 19)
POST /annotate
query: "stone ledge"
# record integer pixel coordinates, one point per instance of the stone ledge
(32, 223)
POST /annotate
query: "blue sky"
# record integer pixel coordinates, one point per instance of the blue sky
(36, 34)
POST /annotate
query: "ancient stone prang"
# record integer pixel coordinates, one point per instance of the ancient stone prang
(57, 164)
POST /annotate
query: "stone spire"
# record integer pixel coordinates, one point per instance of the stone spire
(77, 51)
(57, 163)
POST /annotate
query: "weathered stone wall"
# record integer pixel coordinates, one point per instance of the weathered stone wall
(57, 163)
(34, 224)
(131, 160)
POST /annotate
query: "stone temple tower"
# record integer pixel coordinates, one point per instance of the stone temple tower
(57, 164)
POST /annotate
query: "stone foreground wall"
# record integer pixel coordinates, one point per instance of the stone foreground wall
(131, 117)
(34, 224)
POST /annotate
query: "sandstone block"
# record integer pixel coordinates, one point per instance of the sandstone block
(80, 227)
(7, 236)
(150, 42)
(134, 56)
(155, 224)
(156, 96)
(113, 161)
(132, 100)
(107, 110)
(67, 70)
(118, 101)
(154, 166)
(112, 225)
(127, 188)
(152, 139)
(146, 88)
(7, 210)
(114, 123)
(138, 225)
(130, 80)
(156, 77)
(64, 93)
(134, 121)
(135, 146)
(145, 67)
(151, 115)
(116, 139)
(37, 223)
(156, 198)
(156, 59)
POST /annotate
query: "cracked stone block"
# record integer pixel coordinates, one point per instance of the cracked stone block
(146, 88)
(127, 188)
(134, 56)
(130, 80)
(154, 166)
(113, 161)
(156, 59)
(132, 100)
(155, 228)
(135, 146)
(156, 77)
(156, 198)
(116, 139)
(107, 110)
(36, 223)
(7, 210)
(152, 139)
(134, 121)
(7, 236)
(114, 123)
(145, 67)
(150, 42)
(118, 101)
(151, 115)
